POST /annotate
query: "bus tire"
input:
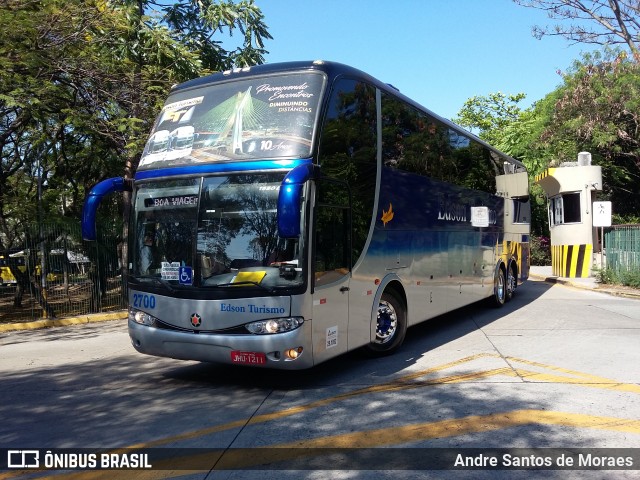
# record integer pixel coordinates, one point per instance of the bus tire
(511, 282)
(391, 326)
(499, 296)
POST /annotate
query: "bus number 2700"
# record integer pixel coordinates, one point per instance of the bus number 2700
(144, 301)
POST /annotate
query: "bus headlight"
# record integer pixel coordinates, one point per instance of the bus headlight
(274, 325)
(142, 318)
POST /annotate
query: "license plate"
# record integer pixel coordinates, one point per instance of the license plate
(248, 358)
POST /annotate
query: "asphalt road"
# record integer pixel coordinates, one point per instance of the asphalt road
(557, 368)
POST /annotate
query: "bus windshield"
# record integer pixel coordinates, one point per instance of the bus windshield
(214, 232)
(261, 117)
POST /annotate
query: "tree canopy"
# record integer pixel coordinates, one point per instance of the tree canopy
(601, 22)
(81, 82)
(596, 109)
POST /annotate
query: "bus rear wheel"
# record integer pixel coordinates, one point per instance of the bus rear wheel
(511, 283)
(499, 296)
(391, 326)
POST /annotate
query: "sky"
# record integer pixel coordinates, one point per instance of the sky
(440, 53)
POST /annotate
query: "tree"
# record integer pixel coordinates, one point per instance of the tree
(192, 24)
(65, 103)
(502, 123)
(81, 82)
(490, 114)
(601, 22)
(598, 110)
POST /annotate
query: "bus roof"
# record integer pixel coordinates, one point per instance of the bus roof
(332, 70)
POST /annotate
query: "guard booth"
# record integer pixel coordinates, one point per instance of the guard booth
(570, 190)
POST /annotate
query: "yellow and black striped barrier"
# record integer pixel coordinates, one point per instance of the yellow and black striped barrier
(571, 261)
(549, 172)
(518, 251)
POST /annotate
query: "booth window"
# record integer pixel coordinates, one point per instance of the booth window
(565, 208)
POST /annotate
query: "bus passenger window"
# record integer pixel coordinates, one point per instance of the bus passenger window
(348, 151)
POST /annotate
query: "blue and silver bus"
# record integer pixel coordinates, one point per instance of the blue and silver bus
(285, 214)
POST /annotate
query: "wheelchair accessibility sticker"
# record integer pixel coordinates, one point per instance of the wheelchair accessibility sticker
(185, 275)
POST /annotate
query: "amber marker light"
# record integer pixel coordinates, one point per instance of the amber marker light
(293, 353)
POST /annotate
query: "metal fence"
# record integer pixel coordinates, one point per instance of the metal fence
(622, 246)
(55, 274)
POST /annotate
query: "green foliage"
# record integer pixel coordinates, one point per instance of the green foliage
(539, 218)
(81, 82)
(628, 278)
(490, 114)
(596, 109)
(516, 132)
(539, 250)
(633, 218)
(200, 27)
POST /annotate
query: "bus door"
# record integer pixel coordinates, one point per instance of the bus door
(332, 269)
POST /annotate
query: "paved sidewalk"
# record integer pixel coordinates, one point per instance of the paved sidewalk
(590, 283)
(65, 321)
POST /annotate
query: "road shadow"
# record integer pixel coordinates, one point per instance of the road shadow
(346, 368)
(133, 399)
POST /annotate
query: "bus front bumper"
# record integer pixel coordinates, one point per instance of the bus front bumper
(270, 351)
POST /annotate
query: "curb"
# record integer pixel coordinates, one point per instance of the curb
(560, 281)
(63, 322)
(609, 291)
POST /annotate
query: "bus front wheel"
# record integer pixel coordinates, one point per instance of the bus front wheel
(391, 326)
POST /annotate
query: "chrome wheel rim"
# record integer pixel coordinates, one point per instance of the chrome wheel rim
(511, 282)
(500, 287)
(387, 323)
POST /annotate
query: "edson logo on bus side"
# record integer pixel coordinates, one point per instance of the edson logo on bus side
(250, 308)
(227, 307)
(450, 212)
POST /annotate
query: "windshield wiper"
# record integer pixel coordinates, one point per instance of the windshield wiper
(245, 282)
(157, 281)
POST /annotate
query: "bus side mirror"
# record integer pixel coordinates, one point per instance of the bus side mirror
(290, 199)
(92, 202)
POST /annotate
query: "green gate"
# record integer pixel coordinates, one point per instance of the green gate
(622, 248)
